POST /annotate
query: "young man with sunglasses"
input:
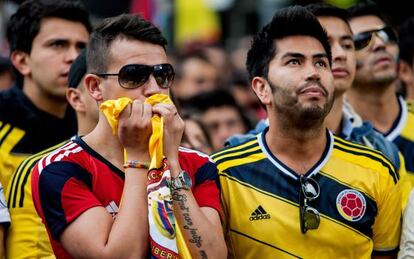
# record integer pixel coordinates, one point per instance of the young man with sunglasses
(304, 192)
(373, 93)
(93, 199)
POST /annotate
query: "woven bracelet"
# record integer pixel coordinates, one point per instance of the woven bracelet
(136, 164)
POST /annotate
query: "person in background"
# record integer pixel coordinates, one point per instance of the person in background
(305, 192)
(407, 233)
(4, 218)
(195, 135)
(27, 236)
(221, 116)
(77, 190)
(45, 36)
(406, 64)
(373, 92)
(195, 74)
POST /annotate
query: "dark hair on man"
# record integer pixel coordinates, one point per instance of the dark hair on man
(24, 25)
(291, 21)
(124, 26)
(406, 40)
(367, 7)
(77, 70)
(322, 9)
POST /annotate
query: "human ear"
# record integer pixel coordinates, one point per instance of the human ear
(20, 61)
(93, 86)
(262, 89)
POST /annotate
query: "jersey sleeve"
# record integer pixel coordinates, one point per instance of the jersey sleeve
(65, 192)
(387, 224)
(206, 187)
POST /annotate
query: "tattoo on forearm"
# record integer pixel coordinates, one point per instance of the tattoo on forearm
(203, 254)
(188, 222)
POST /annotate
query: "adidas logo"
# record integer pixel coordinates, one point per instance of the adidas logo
(259, 214)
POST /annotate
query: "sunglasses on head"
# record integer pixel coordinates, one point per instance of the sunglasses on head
(309, 216)
(363, 39)
(135, 75)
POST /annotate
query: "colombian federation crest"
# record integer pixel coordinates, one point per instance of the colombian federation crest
(351, 205)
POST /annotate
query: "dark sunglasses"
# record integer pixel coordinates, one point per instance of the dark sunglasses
(135, 75)
(363, 39)
(309, 216)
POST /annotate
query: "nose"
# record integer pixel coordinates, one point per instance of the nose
(378, 43)
(151, 87)
(71, 54)
(338, 52)
(312, 73)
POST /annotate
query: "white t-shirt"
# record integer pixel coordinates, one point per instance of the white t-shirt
(407, 236)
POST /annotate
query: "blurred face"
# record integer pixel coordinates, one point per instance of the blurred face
(195, 137)
(54, 49)
(221, 123)
(377, 63)
(197, 76)
(343, 52)
(300, 80)
(124, 52)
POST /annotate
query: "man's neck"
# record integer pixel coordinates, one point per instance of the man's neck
(105, 143)
(54, 106)
(289, 143)
(334, 119)
(370, 102)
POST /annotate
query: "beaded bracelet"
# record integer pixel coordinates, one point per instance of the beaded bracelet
(136, 164)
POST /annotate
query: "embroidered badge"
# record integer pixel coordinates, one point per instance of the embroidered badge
(351, 205)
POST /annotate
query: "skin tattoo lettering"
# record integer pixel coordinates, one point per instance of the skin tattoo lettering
(195, 238)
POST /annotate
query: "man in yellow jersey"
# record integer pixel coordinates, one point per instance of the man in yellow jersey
(304, 192)
(45, 37)
(27, 236)
(373, 93)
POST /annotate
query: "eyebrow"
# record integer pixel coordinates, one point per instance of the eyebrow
(299, 55)
(347, 37)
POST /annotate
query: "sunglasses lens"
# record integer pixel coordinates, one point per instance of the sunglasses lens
(388, 35)
(164, 75)
(311, 218)
(133, 76)
(362, 40)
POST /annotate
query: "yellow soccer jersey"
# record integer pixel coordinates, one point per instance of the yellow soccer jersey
(359, 203)
(27, 236)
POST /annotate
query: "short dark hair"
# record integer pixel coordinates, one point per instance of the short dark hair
(77, 70)
(290, 21)
(406, 40)
(367, 7)
(322, 9)
(24, 25)
(128, 26)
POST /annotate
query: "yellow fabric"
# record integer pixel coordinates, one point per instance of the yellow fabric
(155, 143)
(112, 109)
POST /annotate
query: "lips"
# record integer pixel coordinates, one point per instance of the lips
(340, 72)
(313, 90)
